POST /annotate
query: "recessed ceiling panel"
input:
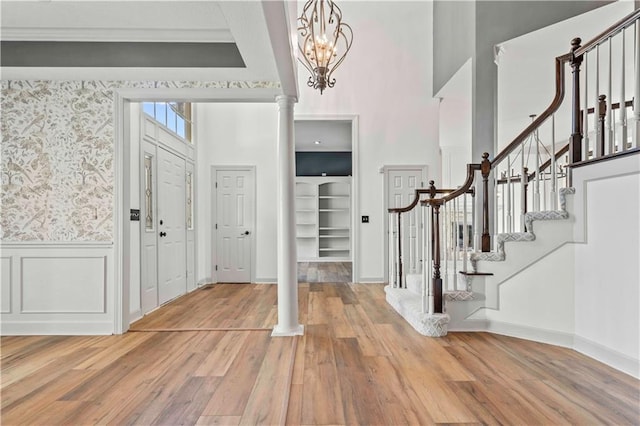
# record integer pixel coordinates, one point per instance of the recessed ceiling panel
(119, 54)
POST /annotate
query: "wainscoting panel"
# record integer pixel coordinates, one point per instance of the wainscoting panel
(5, 292)
(57, 288)
(63, 285)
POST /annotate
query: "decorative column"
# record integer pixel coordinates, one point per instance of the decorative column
(287, 257)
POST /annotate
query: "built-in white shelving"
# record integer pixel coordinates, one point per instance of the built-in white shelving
(323, 218)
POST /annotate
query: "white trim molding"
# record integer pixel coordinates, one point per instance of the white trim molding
(57, 288)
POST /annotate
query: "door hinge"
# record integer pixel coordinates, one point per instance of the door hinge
(216, 226)
(216, 184)
(216, 267)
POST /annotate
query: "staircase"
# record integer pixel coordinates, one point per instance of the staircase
(474, 253)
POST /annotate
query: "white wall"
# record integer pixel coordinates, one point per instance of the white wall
(246, 135)
(386, 80)
(607, 270)
(526, 73)
(455, 126)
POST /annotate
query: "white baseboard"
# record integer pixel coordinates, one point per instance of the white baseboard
(608, 356)
(204, 281)
(53, 328)
(469, 325)
(266, 281)
(376, 280)
(535, 334)
(135, 316)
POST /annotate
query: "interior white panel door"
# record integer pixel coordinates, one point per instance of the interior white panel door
(172, 253)
(402, 184)
(234, 213)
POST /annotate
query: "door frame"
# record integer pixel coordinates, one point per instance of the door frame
(385, 171)
(122, 99)
(355, 179)
(214, 193)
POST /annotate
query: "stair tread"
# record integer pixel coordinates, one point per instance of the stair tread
(473, 274)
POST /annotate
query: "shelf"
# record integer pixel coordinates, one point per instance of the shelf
(332, 210)
(327, 202)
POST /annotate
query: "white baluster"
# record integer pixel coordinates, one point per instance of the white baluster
(585, 127)
(523, 193)
(465, 234)
(456, 233)
(636, 97)
(503, 210)
(609, 124)
(430, 270)
(536, 194)
(623, 108)
(552, 194)
(508, 198)
(598, 151)
(425, 260)
(392, 252)
(444, 227)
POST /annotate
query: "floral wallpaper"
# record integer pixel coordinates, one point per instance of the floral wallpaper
(57, 156)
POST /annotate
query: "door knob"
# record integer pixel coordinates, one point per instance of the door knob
(163, 234)
(245, 233)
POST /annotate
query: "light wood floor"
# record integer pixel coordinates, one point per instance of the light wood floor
(358, 363)
(324, 272)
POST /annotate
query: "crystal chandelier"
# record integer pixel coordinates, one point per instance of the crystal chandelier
(324, 41)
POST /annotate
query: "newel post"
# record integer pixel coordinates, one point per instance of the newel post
(437, 279)
(575, 146)
(602, 113)
(485, 169)
(400, 272)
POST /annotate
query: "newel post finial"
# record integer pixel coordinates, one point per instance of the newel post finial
(432, 189)
(575, 44)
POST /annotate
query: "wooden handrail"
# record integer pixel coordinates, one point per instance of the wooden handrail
(609, 32)
(430, 191)
(553, 107)
(544, 166)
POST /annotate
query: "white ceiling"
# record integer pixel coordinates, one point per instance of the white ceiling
(242, 22)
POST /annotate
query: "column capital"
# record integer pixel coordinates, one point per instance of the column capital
(286, 100)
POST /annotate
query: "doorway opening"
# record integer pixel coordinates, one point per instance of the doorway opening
(325, 195)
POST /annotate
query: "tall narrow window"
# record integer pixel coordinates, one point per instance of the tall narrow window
(189, 200)
(148, 192)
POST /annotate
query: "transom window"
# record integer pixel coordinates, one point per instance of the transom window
(175, 115)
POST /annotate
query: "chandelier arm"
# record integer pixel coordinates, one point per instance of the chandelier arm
(348, 43)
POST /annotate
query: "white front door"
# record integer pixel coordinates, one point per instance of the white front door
(402, 182)
(172, 253)
(234, 224)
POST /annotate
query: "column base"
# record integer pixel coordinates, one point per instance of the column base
(278, 331)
